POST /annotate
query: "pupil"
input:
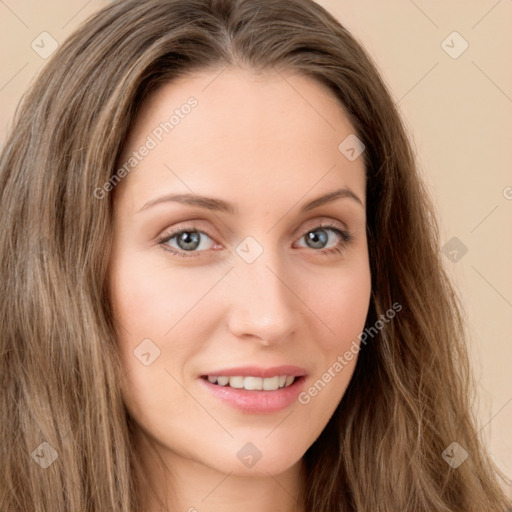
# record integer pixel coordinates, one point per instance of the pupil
(188, 240)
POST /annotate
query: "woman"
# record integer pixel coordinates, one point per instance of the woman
(223, 282)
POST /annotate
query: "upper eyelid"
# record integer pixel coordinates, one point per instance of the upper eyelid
(311, 224)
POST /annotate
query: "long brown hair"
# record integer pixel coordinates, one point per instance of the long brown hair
(67, 443)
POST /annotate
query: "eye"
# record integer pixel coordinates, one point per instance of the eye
(188, 241)
(318, 238)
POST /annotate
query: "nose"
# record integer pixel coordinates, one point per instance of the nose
(262, 302)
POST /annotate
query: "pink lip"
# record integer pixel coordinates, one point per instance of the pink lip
(255, 371)
(257, 402)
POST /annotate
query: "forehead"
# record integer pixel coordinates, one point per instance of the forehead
(247, 133)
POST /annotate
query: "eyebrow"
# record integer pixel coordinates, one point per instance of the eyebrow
(219, 205)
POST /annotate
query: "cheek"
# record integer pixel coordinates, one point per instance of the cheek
(150, 299)
(341, 304)
(154, 310)
(340, 300)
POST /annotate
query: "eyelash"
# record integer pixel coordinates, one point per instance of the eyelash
(346, 239)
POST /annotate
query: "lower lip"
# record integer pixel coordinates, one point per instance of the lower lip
(256, 401)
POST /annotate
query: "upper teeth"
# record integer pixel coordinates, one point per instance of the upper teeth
(250, 383)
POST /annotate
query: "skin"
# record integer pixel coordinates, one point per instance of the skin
(268, 143)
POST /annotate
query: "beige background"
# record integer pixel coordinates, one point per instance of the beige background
(459, 113)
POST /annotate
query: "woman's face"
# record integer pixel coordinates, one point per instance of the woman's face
(243, 282)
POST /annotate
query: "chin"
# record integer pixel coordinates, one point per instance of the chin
(247, 460)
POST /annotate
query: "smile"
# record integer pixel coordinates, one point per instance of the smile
(248, 395)
(252, 383)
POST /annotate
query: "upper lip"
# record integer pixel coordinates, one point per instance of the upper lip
(258, 371)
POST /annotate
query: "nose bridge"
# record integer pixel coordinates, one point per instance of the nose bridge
(262, 303)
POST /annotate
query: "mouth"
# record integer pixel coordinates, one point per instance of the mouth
(255, 401)
(252, 383)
